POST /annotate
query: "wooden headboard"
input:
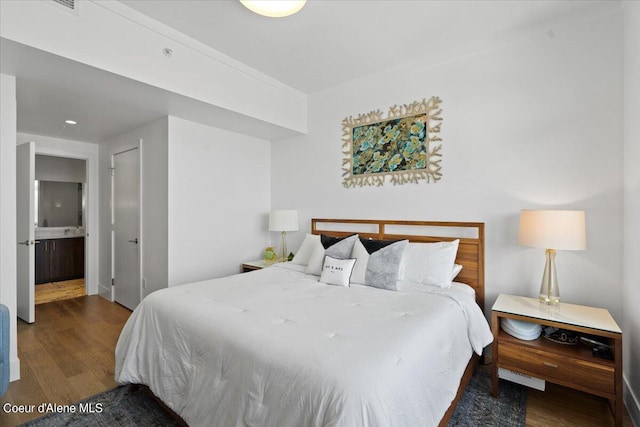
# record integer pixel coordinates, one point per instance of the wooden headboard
(470, 251)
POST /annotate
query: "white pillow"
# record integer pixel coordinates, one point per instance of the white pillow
(361, 255)
(306, 249)
(337, 271)
(457, 268)
(316, 259)
(429, 263)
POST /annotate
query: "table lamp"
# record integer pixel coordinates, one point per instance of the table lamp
(551, 230)
(283, 220)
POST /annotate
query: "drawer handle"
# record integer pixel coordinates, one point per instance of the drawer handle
(551, 365)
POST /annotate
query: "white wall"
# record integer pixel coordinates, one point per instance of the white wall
(60, 169)
(88, 152)
(534, 123)
(219, 198)
(631, 286)
(206, 194)
(8, 239)
(153, 234)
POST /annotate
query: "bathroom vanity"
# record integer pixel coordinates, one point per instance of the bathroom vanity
(59, 254)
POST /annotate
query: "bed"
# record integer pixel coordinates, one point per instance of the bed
(276, 347)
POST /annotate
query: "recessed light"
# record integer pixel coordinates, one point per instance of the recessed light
(71, 122)
(274, 8)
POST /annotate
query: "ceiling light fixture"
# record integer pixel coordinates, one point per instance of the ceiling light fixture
(274, 8)
(71, 122)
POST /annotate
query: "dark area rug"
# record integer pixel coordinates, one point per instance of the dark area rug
(478, 408)
(135, 406)
(121, 406)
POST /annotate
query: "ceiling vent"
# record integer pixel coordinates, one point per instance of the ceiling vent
(68, 5)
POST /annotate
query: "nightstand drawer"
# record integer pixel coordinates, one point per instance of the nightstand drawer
(572, 370)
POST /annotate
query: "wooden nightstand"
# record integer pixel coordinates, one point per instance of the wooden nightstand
(571, 366)
(256, 265)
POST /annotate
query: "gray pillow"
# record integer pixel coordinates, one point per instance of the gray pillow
(342, 249)
(382, 266)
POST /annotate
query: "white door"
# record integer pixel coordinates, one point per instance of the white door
(126, 217)
(25, 225)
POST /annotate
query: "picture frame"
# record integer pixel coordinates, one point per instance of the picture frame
(402, 148)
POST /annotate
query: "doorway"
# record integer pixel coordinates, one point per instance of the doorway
(60, 201)
(126, 227)
(76, 239)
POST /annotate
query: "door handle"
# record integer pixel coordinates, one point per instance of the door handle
(27, 242)
(134, 241)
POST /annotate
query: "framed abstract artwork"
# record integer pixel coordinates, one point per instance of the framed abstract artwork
(403, 147)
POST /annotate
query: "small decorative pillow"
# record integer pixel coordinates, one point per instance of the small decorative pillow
(338, 248)
(429, 263)
(378, 262)
(306, 249)
(337, 271)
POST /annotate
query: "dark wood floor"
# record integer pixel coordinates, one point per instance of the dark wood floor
(562, 407)
(68, 355)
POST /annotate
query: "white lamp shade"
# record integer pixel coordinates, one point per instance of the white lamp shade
(553, 229)
(283, 220)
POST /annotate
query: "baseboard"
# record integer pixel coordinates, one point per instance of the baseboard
(14, 375)
(104, 292)
(631, 402)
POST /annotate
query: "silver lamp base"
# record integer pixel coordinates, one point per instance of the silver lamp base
(549, 291)
(284, 257)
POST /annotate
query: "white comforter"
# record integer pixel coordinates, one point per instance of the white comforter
(276, 348)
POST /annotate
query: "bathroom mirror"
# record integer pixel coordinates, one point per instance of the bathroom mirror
(58, 204)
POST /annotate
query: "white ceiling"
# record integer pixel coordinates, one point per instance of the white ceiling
(333, 41)
(328, 43)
